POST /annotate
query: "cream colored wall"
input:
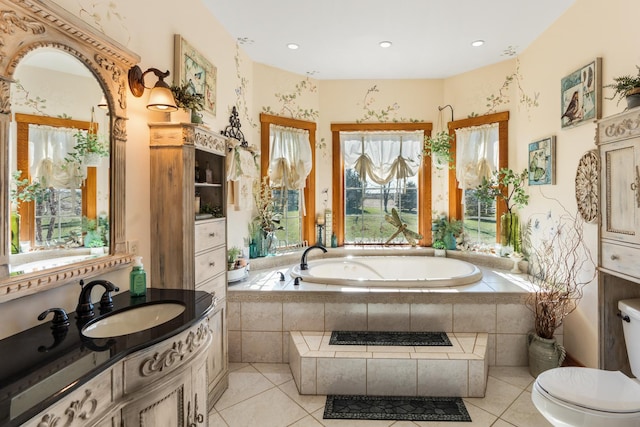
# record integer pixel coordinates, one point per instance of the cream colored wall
(588, 29)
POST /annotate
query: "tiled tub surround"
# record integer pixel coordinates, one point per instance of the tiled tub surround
(457, 370)
(263, 310)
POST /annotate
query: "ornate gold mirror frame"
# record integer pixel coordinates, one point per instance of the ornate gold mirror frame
(26, 25)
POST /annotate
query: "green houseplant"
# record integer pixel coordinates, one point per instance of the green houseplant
(23, 191)
(439, 147)
(232, 257)
(446, 231)
(508, 186)
(626, 87)
(189, 100)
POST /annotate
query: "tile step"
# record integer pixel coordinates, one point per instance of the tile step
(320, 368)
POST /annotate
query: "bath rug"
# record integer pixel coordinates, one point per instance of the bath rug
(398, 408)
(389, 338)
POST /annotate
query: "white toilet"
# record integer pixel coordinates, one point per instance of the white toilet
(586, 397)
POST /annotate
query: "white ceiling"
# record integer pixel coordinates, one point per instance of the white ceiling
(339, 38)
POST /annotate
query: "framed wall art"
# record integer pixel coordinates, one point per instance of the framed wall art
(542, 162)
(193, 68)
(581, 98)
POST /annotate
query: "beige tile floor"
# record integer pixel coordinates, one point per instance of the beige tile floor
(264, 395)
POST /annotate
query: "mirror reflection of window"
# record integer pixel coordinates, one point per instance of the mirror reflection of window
(55, 115)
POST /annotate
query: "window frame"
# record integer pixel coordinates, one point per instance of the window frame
(502, 118)
(424, 175)
(309, 220)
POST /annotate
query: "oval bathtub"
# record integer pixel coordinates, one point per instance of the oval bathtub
(401, 271)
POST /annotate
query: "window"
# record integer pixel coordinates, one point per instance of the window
(287, 152)
(485, 149)
(377, 167)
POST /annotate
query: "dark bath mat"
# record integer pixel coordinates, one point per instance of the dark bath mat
(399, 408)
(389, 338)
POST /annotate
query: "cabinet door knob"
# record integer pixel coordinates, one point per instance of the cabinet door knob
(614, 257)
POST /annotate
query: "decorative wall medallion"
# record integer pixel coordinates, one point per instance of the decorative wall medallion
(587, 186)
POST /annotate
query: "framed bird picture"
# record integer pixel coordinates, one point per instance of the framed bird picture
(581, 98)
(542, 161)
(191, 67)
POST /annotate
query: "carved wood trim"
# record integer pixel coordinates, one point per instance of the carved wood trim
(82, 409)
(177, 352)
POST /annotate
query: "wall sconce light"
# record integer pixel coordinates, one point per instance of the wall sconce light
(160, 98)
(103, 103)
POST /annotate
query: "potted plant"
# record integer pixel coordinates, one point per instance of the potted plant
(267, 222)
(560, 265)
(89, 149)
(23, 191)
(439, 248)
(232, 257)
(438, 147)
(508, 186)
(187, 99)
(446, 231)
(627, 87)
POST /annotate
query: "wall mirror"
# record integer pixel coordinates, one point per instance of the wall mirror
(63, 91)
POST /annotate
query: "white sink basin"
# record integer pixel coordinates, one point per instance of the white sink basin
(133, 320)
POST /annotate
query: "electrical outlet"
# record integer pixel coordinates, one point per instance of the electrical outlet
(133, 247)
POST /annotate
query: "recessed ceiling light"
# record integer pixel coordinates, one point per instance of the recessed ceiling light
(385, 43)
(477, 43)
(293, 46)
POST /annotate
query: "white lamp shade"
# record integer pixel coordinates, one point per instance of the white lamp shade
(161, 99)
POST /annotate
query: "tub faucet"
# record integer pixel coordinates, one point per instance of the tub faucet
(303, 260)
(84, 310)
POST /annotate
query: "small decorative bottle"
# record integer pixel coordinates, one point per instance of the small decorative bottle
(197, 172)
(138, 279)
(208, 173)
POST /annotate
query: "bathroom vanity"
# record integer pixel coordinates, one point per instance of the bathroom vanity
(151, 377)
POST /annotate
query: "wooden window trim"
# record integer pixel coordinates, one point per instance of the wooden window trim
(309, 221)
(455, 194)
(424, 174)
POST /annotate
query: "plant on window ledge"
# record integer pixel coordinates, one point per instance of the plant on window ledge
(508, 186)
(439, 147)
(446, 231)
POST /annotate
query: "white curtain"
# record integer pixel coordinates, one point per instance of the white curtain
(382, 156)
(290, 159)
(48, 147)
(476, 154)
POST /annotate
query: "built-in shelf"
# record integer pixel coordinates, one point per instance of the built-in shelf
(206, 184)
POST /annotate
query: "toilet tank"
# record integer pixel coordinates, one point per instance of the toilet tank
(631, 308)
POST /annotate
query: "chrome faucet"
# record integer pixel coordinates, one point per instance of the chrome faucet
(84, 310)
(303, 260)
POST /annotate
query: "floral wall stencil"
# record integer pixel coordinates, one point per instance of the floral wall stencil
(502, 97)
(22, 98)
(289, 101)
(243, 84)
(101, 14)
(386, 114)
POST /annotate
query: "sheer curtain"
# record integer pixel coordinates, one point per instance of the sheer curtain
(48, 147)
(476, 154)
(290, 159)
(382, 156)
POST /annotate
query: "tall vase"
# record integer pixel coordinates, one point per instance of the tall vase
(15, 232)
(544, 354)
(270, 243)
(510, 231)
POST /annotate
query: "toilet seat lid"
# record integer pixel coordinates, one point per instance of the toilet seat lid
(607, 391)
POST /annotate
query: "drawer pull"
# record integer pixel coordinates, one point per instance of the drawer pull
(614, 257)
(212, 263)
(212, 234)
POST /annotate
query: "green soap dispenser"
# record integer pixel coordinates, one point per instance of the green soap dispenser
(138, 279)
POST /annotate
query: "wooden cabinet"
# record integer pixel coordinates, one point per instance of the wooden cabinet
(163, 385)
(188, 236)
(619, 145)
(175, 238)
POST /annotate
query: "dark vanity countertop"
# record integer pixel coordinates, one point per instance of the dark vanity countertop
(34, 368)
